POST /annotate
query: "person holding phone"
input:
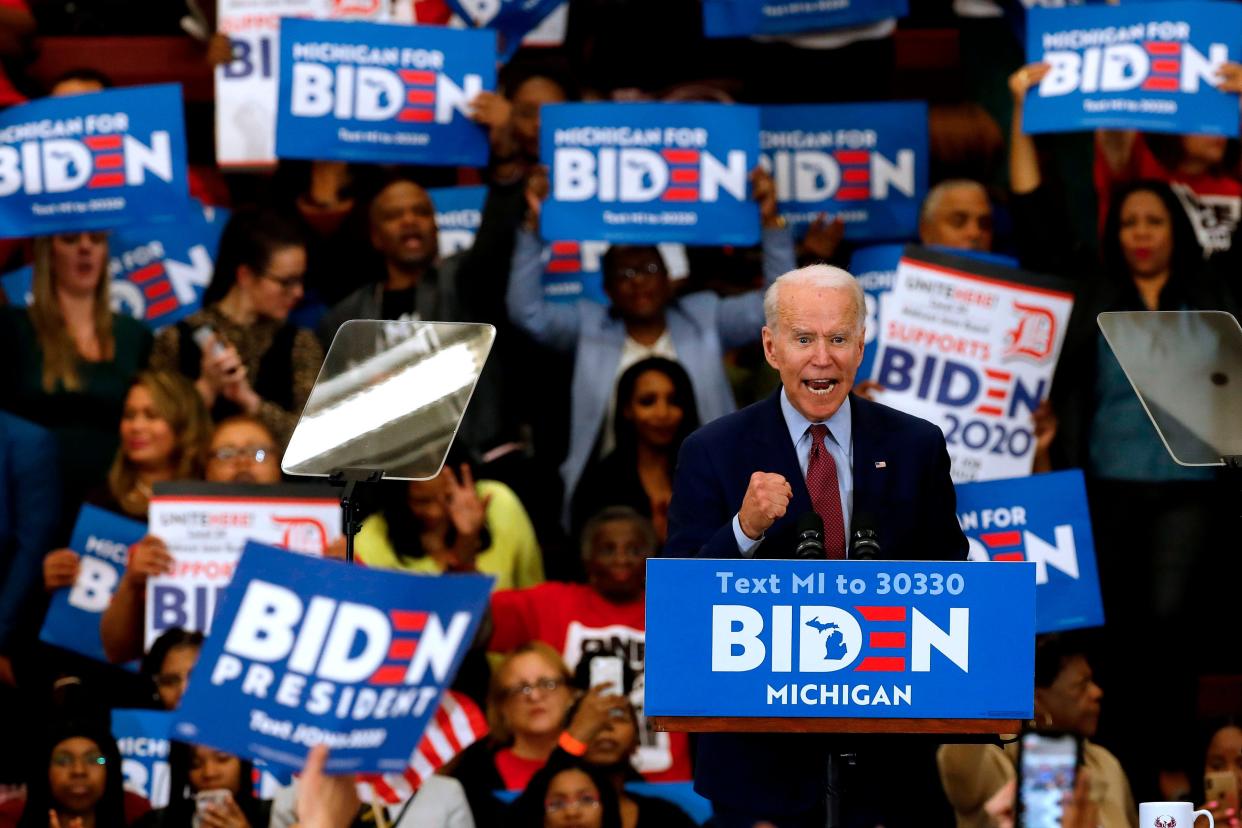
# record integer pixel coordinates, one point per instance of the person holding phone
(1067, 701)
(208, 789)
(1222, 772)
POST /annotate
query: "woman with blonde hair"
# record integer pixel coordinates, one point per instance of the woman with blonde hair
(69, 359)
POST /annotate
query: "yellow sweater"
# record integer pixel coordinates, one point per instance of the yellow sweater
(513, 558)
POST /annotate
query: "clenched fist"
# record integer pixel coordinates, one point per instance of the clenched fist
(767, 498)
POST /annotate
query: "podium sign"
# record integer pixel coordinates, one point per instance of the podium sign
(840, 639)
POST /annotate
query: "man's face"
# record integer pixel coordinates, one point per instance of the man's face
(638, 284)
(962, 219)
(1073, 698)
(816, 346)
(403, 225)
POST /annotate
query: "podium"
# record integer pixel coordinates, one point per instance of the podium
(852, 646)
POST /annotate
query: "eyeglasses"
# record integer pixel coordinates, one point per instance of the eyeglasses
(68, 760)
(648, 271)
(557, 804)
(547, 685)
(287, 283)
(225, 454)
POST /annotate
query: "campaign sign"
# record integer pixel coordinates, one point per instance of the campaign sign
(865, 164)
(307, 652)
(159, 271)
(971, 346)
(512, 18)
(102, 540)
(742, 18)
(1042, 518)
(206, 526)
(142, 738)
(812, 639)
(647, 173)
(91, 162)
(459, 212)
(875, 267)
(1148, 66)
(383, 93)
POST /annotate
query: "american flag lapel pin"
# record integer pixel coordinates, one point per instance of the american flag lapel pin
(881, 464)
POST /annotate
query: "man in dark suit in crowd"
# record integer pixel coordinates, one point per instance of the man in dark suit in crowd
(744, 480)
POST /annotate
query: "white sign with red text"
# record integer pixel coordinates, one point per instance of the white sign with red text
(246, 85)
(207, 525)
(971, 346)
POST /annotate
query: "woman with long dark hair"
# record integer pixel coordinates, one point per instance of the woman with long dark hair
(1155, 522)
(76, 779)
(656, 411)
(241, 350)
(208, 788)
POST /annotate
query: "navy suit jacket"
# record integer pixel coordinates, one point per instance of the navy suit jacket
(901, 479)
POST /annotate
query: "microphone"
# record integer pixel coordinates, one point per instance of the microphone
(865, 542)
(810, 532)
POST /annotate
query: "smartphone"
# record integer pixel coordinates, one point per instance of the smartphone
(203, 799)
(202, 334)
(1222, 787)
(1047, 768)
(606, 669)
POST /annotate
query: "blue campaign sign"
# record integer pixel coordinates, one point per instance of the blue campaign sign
(459, 212)
(875, 267)
(102, 539)
(159, 271)
(304, 650)
(742, 18)
(873, 639)
(142, 738)
(512, 18)
(647, 173)
(865, 164)
(382, 92)
(1148, 66)
(92, 162)
(1042, 519)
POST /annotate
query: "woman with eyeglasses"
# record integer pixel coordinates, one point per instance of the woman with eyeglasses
(529, 697)
(567, 794)
(241, 350)
(77, 780)
(68, 359)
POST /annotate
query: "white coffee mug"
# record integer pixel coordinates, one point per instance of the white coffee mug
(1171, 815)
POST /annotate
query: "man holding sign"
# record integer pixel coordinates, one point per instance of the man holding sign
(748, 482)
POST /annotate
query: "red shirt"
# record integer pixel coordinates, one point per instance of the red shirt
(8, 92)
(515, 771)
(1213, 201)
(575, 620)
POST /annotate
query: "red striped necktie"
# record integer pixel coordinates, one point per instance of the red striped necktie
(821, 483)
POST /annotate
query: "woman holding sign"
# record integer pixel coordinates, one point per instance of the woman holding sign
(1153, 519)
(69, 358)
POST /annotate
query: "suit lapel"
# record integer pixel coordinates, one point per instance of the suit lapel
(775, 453)
(869, 449)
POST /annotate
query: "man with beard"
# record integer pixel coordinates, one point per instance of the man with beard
(417, 286)
(403, 232)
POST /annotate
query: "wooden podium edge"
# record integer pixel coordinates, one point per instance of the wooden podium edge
(775, 724)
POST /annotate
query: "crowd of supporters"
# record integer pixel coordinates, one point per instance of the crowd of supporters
(560, 478)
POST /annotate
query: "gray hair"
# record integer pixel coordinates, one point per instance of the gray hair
(820, 276)
(618, 514)
(936, 194)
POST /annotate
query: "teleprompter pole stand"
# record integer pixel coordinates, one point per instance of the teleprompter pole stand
(351, 512)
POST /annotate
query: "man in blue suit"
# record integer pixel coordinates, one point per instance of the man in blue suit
(744, 480)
